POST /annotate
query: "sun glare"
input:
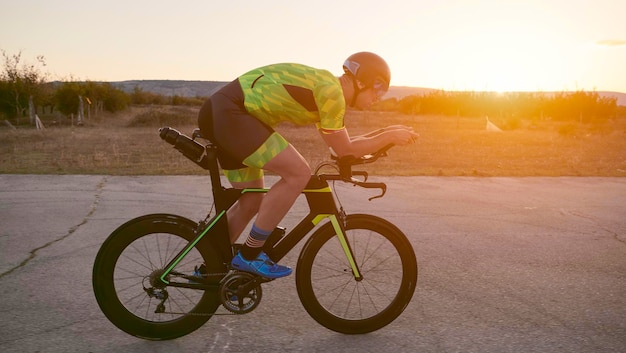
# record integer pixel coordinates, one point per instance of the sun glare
(506, 59)
(498, 54)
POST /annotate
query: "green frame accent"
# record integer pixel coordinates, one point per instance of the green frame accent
(344, 244)
(191, 245)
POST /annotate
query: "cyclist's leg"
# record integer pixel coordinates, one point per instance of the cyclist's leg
(242, 212)
(275, 154)
(278, 156)
(295, 174)
(285, 161)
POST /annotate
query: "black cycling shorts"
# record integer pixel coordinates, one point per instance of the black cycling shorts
(244, 142)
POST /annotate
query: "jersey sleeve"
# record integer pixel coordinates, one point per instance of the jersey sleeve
(331, 107)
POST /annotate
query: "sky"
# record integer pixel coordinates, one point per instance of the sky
(472, 45)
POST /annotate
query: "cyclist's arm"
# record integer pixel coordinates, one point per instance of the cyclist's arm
(343, 145)
(380, 131)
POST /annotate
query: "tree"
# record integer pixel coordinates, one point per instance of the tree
(19, 81)
(103, 95)
(66, 97)
(115, 100)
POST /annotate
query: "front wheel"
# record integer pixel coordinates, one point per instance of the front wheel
(124, 278)
(329, 291)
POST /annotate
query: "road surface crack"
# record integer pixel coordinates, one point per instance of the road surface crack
(33, 253)
(600, 225)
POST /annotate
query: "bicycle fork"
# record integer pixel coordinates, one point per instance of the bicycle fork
(322, 203)
(345, 245)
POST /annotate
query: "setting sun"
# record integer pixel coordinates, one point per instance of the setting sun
(497, 47)
(503, 58)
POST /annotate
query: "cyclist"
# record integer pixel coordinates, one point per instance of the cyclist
(239, 119)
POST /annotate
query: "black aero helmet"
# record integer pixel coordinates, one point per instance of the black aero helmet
(369, 69)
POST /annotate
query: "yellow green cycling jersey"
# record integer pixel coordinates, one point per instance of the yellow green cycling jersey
(294, 93)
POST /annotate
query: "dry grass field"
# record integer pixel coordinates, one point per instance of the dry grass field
(128, 144)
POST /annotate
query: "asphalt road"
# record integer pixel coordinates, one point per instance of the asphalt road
(505, 265)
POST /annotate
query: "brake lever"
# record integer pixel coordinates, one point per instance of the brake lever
(383, 189)
(381, 186)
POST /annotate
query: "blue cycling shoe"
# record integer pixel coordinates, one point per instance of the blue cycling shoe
(262, 266)
(200, 274)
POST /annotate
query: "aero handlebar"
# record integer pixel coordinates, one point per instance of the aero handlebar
(346, 174)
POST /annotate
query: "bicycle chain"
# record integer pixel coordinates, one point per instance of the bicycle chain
(229, 272)
(199, 314)
(214, 274)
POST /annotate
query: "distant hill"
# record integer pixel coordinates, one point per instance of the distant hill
(206, 88)
(172, 87)
(621, 97)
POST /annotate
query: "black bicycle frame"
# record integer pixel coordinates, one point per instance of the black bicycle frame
(321, 206)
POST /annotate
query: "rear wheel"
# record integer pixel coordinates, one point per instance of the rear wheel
(329, 291)
(126, 272)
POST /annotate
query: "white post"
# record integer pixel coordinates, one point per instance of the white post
(38, 123)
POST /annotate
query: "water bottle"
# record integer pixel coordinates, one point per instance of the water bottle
(188, 147)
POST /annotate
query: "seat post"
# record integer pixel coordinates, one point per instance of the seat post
(214, 170)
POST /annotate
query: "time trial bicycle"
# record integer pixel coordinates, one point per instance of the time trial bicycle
(162, 276)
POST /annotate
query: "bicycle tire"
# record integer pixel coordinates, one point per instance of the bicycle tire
(126, 259)
(330, 293)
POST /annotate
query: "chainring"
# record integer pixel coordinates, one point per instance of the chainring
(232, 294)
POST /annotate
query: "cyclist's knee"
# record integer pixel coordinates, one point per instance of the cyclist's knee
(292, 167)
(299, 175)
(304, 176)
